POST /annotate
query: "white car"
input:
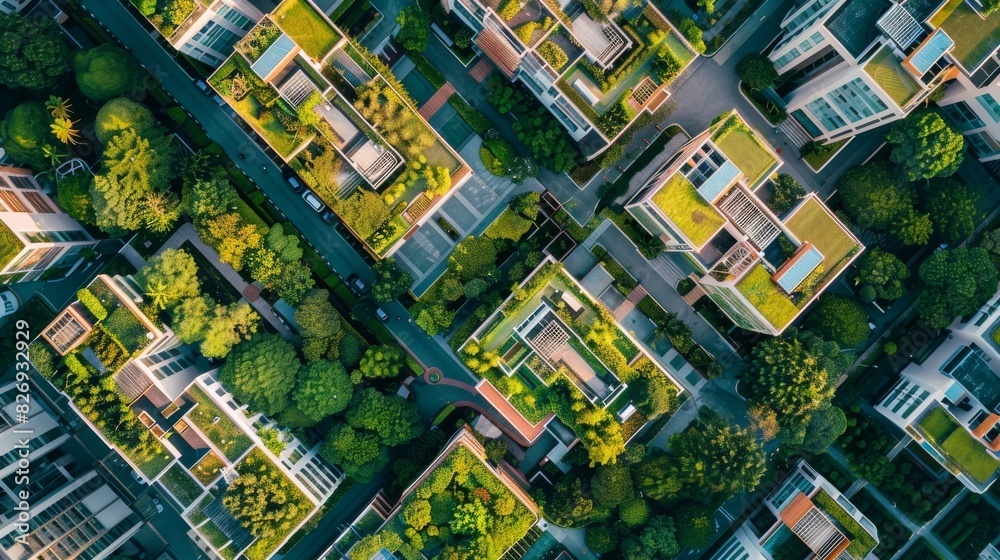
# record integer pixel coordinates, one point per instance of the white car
(313, 201)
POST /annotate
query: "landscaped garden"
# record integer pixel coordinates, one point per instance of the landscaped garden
(861, 542)
(744, 148)
(688, 210)
(167, 15)
(217, 426)
(892, 534)
(764, 295)
(307, 27)
(459, 505)
(208, 468)
(962, 451)
(181, 485)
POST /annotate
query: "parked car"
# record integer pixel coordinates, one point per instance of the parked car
(356, 285)
(313, 201)
(328, 217)
(295, 183)
(382, 315)
(203, 87)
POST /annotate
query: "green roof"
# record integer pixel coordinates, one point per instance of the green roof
(765, 296)
(692, 214)
(744, 149)
(958, 446)
(10, 245)
(890, 75)
(975, 37)
(812, 222)
(307, 27)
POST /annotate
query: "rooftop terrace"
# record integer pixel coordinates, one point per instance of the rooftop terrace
(309, 29)
(854, 23)
(957, 446)
(975, 37)
(745, 149)
(688, 210)
(886, 70)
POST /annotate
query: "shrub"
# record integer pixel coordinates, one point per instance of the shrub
(105, 72)
(470, 115)
(94, 305)
(666, 66)
(553, 54)
(508, 9)
(693, 34)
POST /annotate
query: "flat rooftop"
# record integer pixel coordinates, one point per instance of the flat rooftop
(976, 38)
(854, 24)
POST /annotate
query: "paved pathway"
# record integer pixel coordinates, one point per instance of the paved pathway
(133, 257)
(187, 233)
(436, 101)
(481, 70)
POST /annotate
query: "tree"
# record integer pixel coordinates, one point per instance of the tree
(285, 245)
(764, 420)
(873, 197)
(319, 324)
(611, 485)
(694, 524)
(357, 453)
(782, 374)
(601, 539)
(718, 459)
(124, 114)
(665, 67)
(392, 417)
(826, 425)
(883, 272)
(567, 505)
(381, 362)
(526, 204)
(925, 146)
(160, 211)
(73, 195)
(192, 317)
(475, 288)
(390, 281)
(991, 244)
(169, 277)
(654, 395)
(263, 499)
(709, 6)
(25, 133)
(756, 71)
(435, 318)
(105, 71)
(33, 52)
(471, 518)
(633, 512)
(211, 197)
(957, 282)
(133, 168)
(913, 228)
(787, 191)
(658, 538)
(414, 28)
(954, 207)
(261, 372)
(548, 141)
(839, 318)
(472, 257)
(229, 326)
(323, 389)
(417, 514)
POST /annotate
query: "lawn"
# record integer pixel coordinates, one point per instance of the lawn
(181, 485)
(307, 27)
(213, 534)
(812, 222)
(971, 455)
(975, 37)
(692, 214)
(154, 463)
(887, 72)
(764, 295)
(938, 424)
(817, 159)
(741, 146)
(225, 434)
(269, 127)
(207, 469)
(10, 245)
(861, 542)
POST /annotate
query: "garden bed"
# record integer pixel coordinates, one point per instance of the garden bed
(224, 433)
(181, 485)
(307, 27)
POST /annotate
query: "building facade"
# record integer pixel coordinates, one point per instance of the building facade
(36, 235)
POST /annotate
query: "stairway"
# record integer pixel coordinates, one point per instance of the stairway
(794, 131)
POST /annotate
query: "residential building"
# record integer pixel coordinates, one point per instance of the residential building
(605, 81)
(846, 66)
(13, 6)
(210, 30)
(71, 511)
(805, 516)
(762, 268)
(36, 237)
(948, 399)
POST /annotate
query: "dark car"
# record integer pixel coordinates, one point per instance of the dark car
(295, 183)
(328, 217)
(382, 315)
(356, 285)
(203, 87)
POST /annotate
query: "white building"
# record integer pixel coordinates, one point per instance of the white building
(35, 235)
(210, 31)
(948, 399)
(13, 6)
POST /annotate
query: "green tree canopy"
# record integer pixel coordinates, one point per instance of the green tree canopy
(954, 209)
(414, 28)
(25, 133)
(787, 191)
(261, 373)
(658, 538)
(472, 257)
(105, 71)
(567, 505)
(73, 192)
(695, 524)
(264, 499)
(319, 324)
(957, 282)
(526, 204)
(211, 197)
(756, 71)
(925, 146)
(359, 454)
(123, 114)
(718, 459)
(392, 417)
(654, 395)
(782, 374)
(323, 388)
(547, 139)
(283, 240)
(390, 281)
(169, 277)
(840, 319)
(33, 52)
(873, 197)
(826, 425)
(884, 272)
(229, 326)
(381, 361)
(611, 485)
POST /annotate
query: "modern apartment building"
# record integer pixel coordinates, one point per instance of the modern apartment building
(763, 268)
(73, 511)
(209, 30)
(806, 517)
(603, 85)
(35, 235)
(948, 399)
(846, 66)
(13, 6)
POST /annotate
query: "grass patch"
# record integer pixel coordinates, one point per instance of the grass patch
(425, 67)
(938, 425)
(691, 213)
(207, 469)
(10, 245)
(743, 148)
(887, 72)
(196, 516)
(765, 296)
(861, 542)
(812, 222)
(181, 485)
(307, 27)
(213, 534)
(971, 455)
(225, 434)
(817, 159)
(975, 37)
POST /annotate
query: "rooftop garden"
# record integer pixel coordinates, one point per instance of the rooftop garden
(961, 450)
(266, 502)
(167, 15)
(765, 296)
(886, 70)
(736, 139)
(975, 37)
(861, 542)
(307, 27)
(259, 39)
(181, 485)
(692, 214)
(224, 433)
(10, 245)
(461, 506)
(814, 223)
(207, 469)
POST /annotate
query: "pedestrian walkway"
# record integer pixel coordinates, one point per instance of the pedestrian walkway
(133, 257)
(481, 70)
(436, 101)
(795, 133)
(263, 308)
(626, 307)
(696, 293)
